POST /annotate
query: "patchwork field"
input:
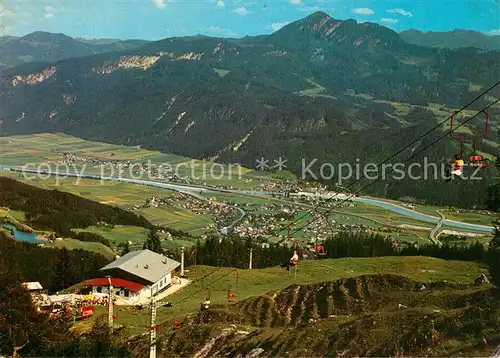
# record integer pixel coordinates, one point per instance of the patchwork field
(130, 195)
(178, 219)
(36, 149)
(47, 148)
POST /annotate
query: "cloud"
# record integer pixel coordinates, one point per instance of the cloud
(494, 32)
(275, 26)
(310, 8)
(160, 4)
(49, 12)
(6, 12)
(401, 12)
(388, 20)
(216, 30)
(220, 3)
(363, 11)
(242, 11)
(296, 2)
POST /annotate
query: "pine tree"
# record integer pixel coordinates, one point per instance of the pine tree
(493, 199)
(153, 242)
(20, 324)
(63, 273)
(494, 256)
(126, 249)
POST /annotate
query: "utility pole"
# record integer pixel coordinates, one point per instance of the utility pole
(182, 261)
(295, 273)
(152, 325)
(110, 304)
(152, 328)
(251, 258)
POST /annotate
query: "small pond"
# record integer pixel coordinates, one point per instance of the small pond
(21, 235)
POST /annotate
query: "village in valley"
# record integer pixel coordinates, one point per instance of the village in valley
(154, 264)
(139, 275)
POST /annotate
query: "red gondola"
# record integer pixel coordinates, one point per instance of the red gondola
(231, 297)
(320, 251)
(87, 311)
(477, 160)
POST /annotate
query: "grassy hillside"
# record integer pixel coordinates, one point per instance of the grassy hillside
(372, 315)
(60, 211)
(257, 282)
(95, 247)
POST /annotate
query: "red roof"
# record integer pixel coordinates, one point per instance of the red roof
(116, 282)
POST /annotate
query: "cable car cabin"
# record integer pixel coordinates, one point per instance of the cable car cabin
(87, 312)
(231, 297)
(177, 324)
(206, 304)
(477, 161)
(320, 251)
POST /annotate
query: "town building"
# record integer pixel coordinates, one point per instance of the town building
(136, 276)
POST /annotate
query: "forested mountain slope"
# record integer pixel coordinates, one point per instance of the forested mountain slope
(48, 47)
(317, 88)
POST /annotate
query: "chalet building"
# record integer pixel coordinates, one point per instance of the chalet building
(33, 287)
(136, 276)
(38, 293)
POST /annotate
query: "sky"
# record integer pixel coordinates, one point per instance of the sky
(158, 19)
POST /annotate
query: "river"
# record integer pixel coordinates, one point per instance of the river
(424, 217)
(384, 204)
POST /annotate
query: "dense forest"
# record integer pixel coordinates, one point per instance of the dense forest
(55, 269)
(232, 252)
(61, 211)
(36, 335)
(493, 193)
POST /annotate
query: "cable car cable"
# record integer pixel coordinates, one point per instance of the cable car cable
(406, 147)
(412, 156)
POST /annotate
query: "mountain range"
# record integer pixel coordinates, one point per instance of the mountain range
(452, 39)
(47, 47)
(318, 88)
